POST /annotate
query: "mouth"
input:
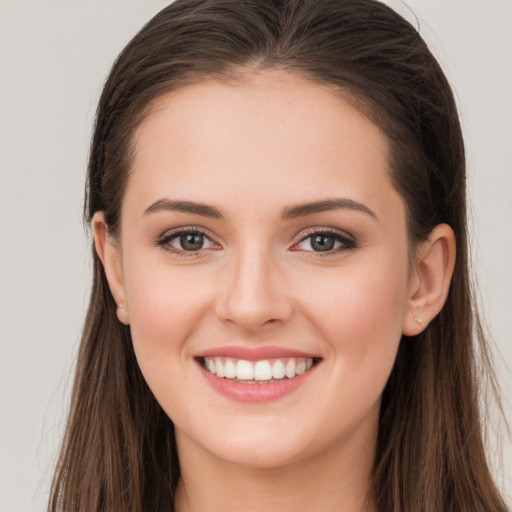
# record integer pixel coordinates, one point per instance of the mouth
(262, 371)
(256, 375)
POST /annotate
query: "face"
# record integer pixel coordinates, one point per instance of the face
(262, 265)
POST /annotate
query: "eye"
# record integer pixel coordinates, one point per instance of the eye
(325, 242)
(189, 240)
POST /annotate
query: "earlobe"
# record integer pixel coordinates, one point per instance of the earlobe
(110, 255)
(430, 279)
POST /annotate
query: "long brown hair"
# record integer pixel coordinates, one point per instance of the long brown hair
(119, 452)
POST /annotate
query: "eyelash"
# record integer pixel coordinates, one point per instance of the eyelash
(167, 238)
(346, 242)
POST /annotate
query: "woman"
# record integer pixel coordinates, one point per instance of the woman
(281, 316)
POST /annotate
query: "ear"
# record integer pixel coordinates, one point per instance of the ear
(431, 275)
(109, 253)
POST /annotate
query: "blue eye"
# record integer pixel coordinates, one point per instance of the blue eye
(186, 241)
(322, 243)
(325, 241)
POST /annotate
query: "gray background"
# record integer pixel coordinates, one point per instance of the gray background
(54, 56)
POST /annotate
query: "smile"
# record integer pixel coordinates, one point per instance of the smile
(259, 375)
(263, 371)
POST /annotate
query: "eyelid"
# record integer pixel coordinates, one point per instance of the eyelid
(347, 240)
(171, 234)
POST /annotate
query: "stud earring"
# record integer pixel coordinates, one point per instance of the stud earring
(120, 306)
(418, 319)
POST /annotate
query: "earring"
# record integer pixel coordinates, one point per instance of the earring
(120, 306)
(418, 319)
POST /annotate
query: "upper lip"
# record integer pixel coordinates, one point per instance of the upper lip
(253, 353)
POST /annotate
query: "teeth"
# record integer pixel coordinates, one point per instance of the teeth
(244, 370)
(229, 369)
(263, 371)
(278, 369)
(290, 368)
(301, 368)
(219, 369)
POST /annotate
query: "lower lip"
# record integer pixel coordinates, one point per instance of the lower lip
(255, 392)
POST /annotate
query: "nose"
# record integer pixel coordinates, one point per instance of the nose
(252, 294)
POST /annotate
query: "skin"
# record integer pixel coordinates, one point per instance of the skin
(253, 149)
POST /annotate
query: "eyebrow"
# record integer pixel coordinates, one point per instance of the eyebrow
(202, 209)
(293, 212)
(302, 210)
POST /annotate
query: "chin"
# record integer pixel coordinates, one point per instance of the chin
(261, 456)
(257, 446)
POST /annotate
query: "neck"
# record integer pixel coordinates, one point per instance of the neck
(334, 481)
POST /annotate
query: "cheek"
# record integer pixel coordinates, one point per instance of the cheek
(360, 313)
(165, 306)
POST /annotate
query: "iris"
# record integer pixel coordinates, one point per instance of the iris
(322, 243)
(192, 241)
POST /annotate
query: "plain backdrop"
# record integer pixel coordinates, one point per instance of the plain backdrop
(54, 56)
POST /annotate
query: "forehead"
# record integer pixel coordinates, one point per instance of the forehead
(272, 137)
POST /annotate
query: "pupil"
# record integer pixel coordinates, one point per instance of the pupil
(191, 241)
(322, 243)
